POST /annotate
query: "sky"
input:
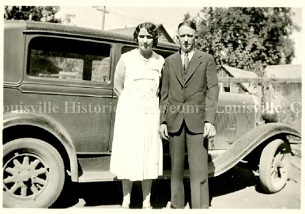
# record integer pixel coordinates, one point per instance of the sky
(120, 17)
(131, 16)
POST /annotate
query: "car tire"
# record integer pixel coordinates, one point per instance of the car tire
(33, 173)
(274, 166)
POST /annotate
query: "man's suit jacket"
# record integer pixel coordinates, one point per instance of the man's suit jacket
(191, 97)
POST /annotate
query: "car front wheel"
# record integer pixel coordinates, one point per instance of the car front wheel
(274, 166)
(33, 173)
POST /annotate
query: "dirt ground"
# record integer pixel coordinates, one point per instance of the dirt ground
(236, 189)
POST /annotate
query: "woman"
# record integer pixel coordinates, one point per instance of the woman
(137, 146)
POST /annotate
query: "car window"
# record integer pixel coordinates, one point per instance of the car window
(126, 49)
(164, 53)
(69, 59)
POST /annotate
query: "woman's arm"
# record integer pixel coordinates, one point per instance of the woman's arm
(119, 77)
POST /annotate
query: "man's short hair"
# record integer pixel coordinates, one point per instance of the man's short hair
(188, 23)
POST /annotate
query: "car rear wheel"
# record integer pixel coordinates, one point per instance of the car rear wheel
(33, 173)
(274, 166)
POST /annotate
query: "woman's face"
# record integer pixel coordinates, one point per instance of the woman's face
(145, 40)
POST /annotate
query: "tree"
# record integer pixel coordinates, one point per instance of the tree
(46, 14)
(248, 38)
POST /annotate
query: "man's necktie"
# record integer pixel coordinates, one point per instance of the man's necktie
(186, 61)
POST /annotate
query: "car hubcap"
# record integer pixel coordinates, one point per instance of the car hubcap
(278, 170)
(25, 175)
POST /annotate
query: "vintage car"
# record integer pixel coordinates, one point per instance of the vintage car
(59, 109)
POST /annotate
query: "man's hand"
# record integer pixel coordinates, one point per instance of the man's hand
(163, 131)
(209, 130)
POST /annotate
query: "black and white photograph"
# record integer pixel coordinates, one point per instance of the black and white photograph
(151, 105)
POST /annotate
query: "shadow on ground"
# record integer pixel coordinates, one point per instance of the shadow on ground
(110, 193)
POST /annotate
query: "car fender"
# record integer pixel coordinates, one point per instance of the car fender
(50, 125)
(247, 143)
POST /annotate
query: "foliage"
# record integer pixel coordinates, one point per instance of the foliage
(46, 14)
(248, 38)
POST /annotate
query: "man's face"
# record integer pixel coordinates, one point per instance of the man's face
(187, 38)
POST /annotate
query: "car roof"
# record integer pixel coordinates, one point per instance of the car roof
(29, 27)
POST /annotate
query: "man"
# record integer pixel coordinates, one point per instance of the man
(189, 92)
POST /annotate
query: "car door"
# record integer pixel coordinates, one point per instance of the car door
(68, 78)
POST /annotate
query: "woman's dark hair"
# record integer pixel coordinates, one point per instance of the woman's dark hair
(151, 29)
(188, 23)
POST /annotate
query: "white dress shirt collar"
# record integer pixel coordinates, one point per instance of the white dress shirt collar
(189, 54)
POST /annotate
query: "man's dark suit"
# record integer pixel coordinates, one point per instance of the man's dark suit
(188, 100)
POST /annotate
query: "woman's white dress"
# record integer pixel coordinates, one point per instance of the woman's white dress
(137, 147)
